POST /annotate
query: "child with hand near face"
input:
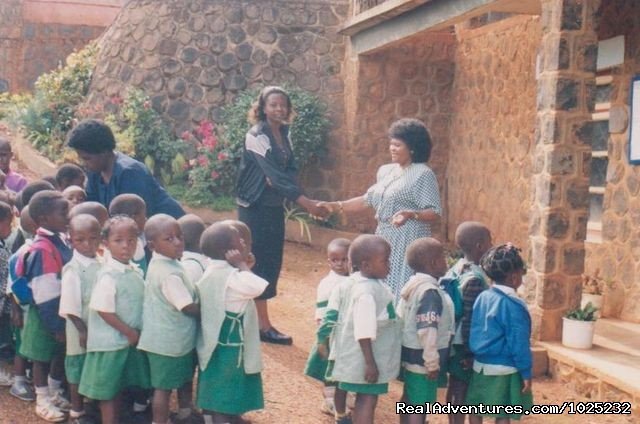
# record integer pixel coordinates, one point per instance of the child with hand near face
(193, 261)
(115, 319)
(169, 319)
(228, 345)
(79, 276)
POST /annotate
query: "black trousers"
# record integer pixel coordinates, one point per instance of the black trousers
(267, 231)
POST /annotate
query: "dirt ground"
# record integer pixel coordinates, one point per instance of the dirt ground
(291, 397)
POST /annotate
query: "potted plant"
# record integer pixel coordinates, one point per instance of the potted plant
(592, 290)
(578, 326)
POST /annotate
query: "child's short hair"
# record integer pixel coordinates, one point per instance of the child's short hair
(42, 202)
(154, 225)
(96, 209)
(192, 228)
(8, 197)
(67, 173)
(32, 188)
(5, 144)
(85, 222)
(364, 247)
(216, 240)
(6, 211)
(422, 250)
(126, 204)
(51, 179)
(74, 188)
(243, 229)
(502, 260)
(92, 136)
(469, 234)
(338, 243)
(117, 220)
(27, 222)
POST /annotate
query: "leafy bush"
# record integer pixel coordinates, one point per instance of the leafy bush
(220, 149)
(141, 133)
(47, 116)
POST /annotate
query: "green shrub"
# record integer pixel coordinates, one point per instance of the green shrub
(214, 169)
(46, 117)
(141, 133)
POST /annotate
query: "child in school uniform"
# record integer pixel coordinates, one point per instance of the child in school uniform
(6, 336)
(133, 206)
(43, 333)
(429, 325)
(368, 334)
(78, 279)
(464, 282)
(338, 260)
(169, 319)
(115, 319)
(193, 261)
(228, 345)
(500, 337)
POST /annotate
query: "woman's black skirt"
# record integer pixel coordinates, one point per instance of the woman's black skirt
(267, 231)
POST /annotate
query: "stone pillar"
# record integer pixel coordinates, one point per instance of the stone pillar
(560, 200)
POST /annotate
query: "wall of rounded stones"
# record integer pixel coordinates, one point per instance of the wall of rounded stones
(492, 133)
(617, 259)
(193, 57)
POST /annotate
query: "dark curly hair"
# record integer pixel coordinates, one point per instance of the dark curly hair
(415, 135)
(502, 260)
(115, 221)
(91, 136)
(256, 113)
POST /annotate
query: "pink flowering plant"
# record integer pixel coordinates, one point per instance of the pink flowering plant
(212, 170)
(141, 132)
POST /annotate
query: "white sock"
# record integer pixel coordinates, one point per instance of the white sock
(208, 419)
(54, 385)
(19, 379)
(139, 407)
(42, 394)
(76, 414)
(183, 413)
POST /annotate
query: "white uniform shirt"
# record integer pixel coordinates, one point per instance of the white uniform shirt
(194, 265)
(173, 288)
(103, 298)
(71, 291)
(325, 287)
(242, 286)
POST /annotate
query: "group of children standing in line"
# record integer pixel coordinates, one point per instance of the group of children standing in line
(114, 302)
(464, 328)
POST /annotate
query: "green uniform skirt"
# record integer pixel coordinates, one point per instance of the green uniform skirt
(168, 372)
(37, 343)
(316, 365)
(455, 365)
(418, 388)
(498, 390)
(73, 365)
(105, 374)
(223, 386)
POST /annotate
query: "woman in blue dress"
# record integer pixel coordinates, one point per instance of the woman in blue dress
(405, 197)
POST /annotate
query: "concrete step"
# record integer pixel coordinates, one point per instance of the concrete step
(618, 335)
(601, 373)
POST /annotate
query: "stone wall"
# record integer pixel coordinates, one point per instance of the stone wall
(411, 79)
(492, 133)
(191, 60)
(35, 37)
(617, 258)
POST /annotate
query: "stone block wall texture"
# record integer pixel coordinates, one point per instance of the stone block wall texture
(492, 132)
(617, 258)
(33, 45)
(194, 57)
(412, 79)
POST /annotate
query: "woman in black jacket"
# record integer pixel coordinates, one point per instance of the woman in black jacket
(267, 177)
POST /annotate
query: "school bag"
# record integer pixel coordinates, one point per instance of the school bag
(452, 283)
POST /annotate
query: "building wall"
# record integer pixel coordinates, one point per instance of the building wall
(492, 132)
(412, 79)
(617, 259)
(37, 35)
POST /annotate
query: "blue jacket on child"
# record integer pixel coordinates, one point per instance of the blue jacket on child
(501, 331)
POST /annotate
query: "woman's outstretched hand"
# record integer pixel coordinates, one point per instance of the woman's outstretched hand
(401, 217)
(328, 207)
(316, 211)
